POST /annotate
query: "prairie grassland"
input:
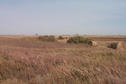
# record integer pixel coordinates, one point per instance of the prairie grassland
(30, 61)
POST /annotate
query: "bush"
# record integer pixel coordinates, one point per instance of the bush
(47, 38)
(60, 38)
(115, 45)
(78, 39)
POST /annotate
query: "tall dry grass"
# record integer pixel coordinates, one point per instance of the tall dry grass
(28, 61)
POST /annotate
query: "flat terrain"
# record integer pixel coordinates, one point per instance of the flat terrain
(27, 60)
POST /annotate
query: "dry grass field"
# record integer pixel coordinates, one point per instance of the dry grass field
(27, 60)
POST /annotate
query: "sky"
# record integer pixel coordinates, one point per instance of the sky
(52, 17)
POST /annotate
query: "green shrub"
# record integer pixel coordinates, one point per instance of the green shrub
(47, 38)
(78, 39)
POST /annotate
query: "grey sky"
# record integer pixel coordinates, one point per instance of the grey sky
(63, 17)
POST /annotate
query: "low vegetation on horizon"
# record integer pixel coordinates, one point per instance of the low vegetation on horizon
(62, 60)
(78, 39)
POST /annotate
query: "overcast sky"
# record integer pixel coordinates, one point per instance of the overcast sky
(63, 17)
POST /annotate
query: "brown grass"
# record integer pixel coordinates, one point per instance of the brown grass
(30, 61)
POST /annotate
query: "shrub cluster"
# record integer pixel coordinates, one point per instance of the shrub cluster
(47, 38)
(78, 39)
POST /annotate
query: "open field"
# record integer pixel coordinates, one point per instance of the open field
(27, 60)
